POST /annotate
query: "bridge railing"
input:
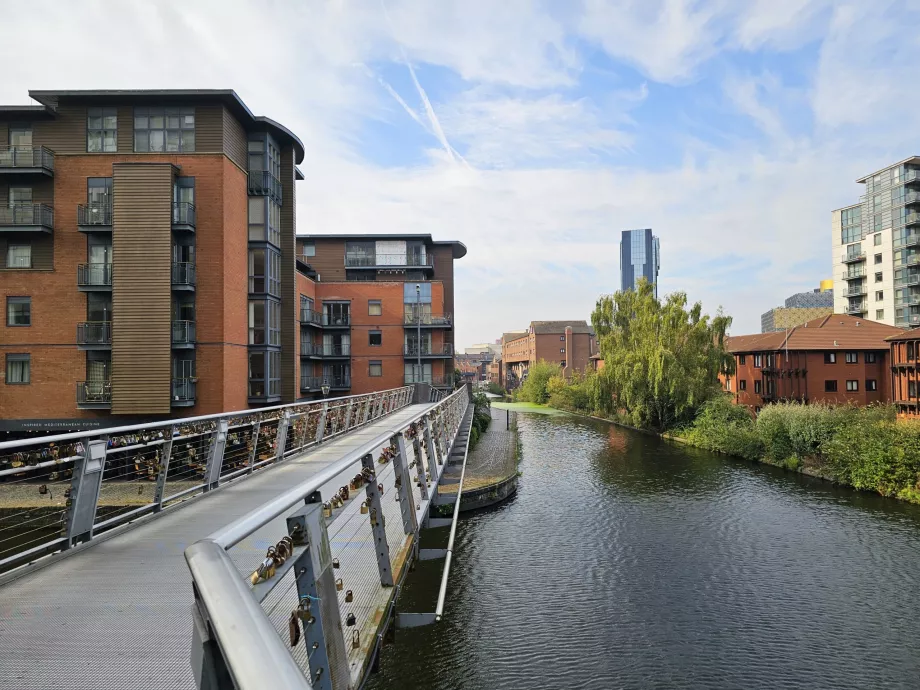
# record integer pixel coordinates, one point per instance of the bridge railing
(310, 610)
(58, 491)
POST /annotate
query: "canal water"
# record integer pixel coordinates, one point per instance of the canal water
(627, 562)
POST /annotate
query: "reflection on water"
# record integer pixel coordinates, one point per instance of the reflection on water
(628, 562)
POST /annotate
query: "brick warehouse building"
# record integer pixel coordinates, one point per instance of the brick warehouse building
(149, 265)
(835, 359)
(567, 343)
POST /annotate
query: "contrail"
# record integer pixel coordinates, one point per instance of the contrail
(399, 99)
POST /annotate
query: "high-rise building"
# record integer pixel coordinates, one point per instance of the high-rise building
(639, 258)
(876, 248)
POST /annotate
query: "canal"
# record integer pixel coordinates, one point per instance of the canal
(627, 562)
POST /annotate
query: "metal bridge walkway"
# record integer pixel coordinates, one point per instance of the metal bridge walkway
(115, 613)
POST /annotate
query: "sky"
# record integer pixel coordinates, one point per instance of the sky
(536, 131)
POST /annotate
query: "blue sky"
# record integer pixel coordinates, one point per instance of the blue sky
(535, 131)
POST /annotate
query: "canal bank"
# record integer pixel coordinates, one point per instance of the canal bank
(625, 561)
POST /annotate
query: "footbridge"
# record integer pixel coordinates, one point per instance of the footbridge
(258, 549)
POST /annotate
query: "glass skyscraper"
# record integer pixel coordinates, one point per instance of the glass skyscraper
(639, 258)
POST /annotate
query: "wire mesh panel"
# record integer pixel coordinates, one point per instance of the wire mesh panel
(132, 464)
(188, 461)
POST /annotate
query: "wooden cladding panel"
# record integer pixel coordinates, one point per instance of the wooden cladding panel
(209, 129)
(4, 133)
(124, 137)
(329, 261)
(66, 133)
(290, 355)
(42, 248)
(141, 288)
(235, 140)
(444, 270)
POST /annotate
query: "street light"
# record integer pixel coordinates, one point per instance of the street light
(325, 389)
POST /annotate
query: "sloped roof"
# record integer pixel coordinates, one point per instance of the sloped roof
(836, 331)
(512, 335)
(545, 327)
(910, 334)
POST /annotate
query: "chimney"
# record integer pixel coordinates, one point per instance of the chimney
(569, 353)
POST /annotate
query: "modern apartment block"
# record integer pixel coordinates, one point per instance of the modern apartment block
(799, 308)
(567, 343)
(835, 359)
(876, 248)
(639, 258)
(375, 311)
(147, 244)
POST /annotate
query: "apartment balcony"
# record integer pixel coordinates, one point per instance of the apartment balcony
(94, 217)
(27, 218)
(263, 183)
(94, 395)
(428, 321)
(912, 260)
(445, 351)
(183, 392)
(912, 218)
(856, 291)
(857, 308)
(94, 277)
(912, 240)
(911, 176)
(316, 383)
(854, 275)
(385, 261)
(431, 380)
(911, 198)
(25, 160)
(329, 351)
(183, 275)
(909, 301)
(183, 334)
(913, 319)
(851, 258)
(311, 350)
(311, 317)
(336, 320)
(911, 280)
(183, 216)
(94, 335)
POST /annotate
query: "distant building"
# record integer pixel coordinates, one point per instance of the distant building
(799, 308)
(478, 348)
(905, 377)
(639, 258)
(568, 343)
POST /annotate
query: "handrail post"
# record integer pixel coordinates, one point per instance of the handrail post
(256, 428)
(306, 426)
(433, 459)
(281, 434)
(84, 491)
(216, 456)
(378, 526)
(351, 404)
(321, 424)
(419, 465)
(165, 455)
(403, 485)
(368, 399)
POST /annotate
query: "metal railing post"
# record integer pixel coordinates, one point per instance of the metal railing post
(419, 465)
(348, 411)
(367, 407)
(84, 491)
(216, 456)
(321, 424)
(433, 459)
(378, 408)
(403, 485)
(321, 618)
(163, 470)
(256, 428)
(281, 435)
(306, 427)
(378, 525)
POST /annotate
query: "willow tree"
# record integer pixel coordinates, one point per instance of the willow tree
(661, 359)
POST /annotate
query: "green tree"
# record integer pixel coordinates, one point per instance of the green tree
(661, 358)
(534, 388)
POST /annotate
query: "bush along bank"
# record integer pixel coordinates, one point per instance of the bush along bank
(865, 448)
(482, 417)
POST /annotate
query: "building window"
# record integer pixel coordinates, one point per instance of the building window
(562, 350)
(830, 357)
(910, 352)
(878, 258)
(274, 223)
(362, 276)
(19, 256)
(877, 239)
(375, 338)
(871, 385)
(18, 369)
(878, 277)
(257, 218)
(852, 386)
(757, 387)
(879, 314)
(375, 368)
(852, 357)
(728, 384)
(164, 129)
(18, 311)
(264, 322)
(742, 359)
(265, 271)
(830, 386)
(562, 338)
(758, 361)
(879, 295)
(757, 409)
(101, 130)
(309, 248)
(870, 357)
(742, 384)
(911, 390)
(374, 307)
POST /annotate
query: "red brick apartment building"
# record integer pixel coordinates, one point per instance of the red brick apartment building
(148, 262)
(905, 372)
(567, 343)
(835, 359)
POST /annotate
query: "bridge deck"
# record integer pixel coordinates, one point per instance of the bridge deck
(117, 613)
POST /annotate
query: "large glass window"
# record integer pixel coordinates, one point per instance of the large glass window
(18, 368)
(20, 136)
(99, 191)
(101, 130)
(98, 306)
(164, 129)
(274, 223)
(19, 255)
(375, 367)
(257, 322)
(257, 374)
(256, 156)
(274, 323)
(257, 218)
(308, 248)
(18, 311)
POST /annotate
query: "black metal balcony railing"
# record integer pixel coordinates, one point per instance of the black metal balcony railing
(183, 390)
(315, 383)
(26, 158)
(94, 393)
(432, 380)
(24, 215)
(183, 273)
(384, 260)
(263, 182)
(98, 214)
(94, 275)
(426, 320)
(412, 350)
(183, 332)
(311, 317)
(94, 333)
(336, 319)
(851, 257)
(183, 213)
(330, 350)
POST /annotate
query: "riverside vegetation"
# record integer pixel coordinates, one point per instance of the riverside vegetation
(662, 362)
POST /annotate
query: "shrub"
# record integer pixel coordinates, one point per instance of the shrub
(727, 428)
(534, 388)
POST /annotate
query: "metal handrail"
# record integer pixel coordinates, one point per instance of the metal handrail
(183, 273)
(311, 316)
(98, 274)
(26, 157)
(27, 214)
(427, 320)
(410, 379)
(183, 213)
(99, 213)
(332, 320)
(387, 260)
(93, 392)
(413, 350)
(853, 256)
(263, 182)
(94, 333)
(183, 332)
(183, 390)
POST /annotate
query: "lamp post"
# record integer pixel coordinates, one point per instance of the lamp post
(418, 332)
(325, 389)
